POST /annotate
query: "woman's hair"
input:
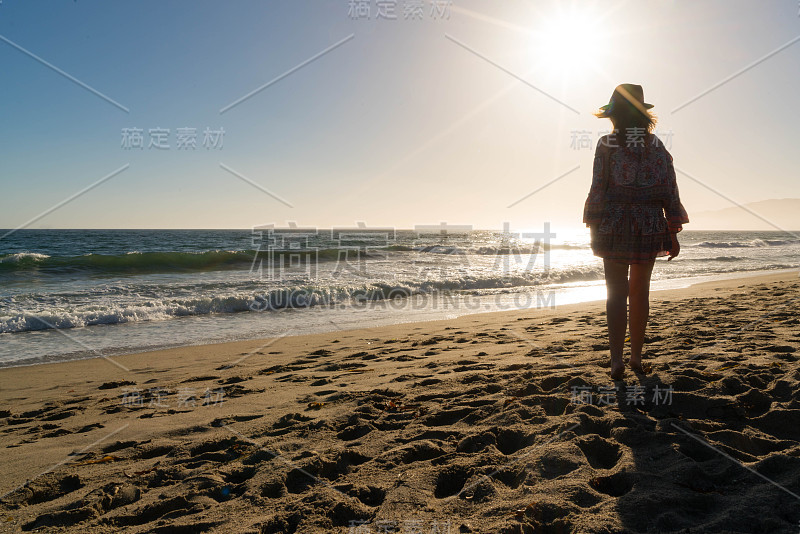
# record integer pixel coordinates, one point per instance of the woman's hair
(625, 115)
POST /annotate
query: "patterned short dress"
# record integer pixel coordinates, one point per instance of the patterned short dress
(632, 216)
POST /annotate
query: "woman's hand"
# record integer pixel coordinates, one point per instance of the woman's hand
(675, 249)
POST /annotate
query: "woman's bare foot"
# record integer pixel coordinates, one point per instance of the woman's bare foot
(637, 366)
(617, 369)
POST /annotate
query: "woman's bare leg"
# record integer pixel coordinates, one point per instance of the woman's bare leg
(639, 308)
(616, 312)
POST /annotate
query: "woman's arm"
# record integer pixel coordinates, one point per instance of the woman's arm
(675, 247)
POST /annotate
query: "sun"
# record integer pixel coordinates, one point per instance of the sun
(569, 41)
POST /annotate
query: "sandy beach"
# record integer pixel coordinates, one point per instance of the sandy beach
(505, 422)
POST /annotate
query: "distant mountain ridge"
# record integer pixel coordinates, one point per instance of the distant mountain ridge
(783, 213)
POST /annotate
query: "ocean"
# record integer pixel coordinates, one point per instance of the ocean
(73, 294)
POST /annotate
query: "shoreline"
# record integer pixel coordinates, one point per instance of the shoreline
(570, 295)
(472, 420)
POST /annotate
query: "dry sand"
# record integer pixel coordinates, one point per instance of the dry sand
(501, 422)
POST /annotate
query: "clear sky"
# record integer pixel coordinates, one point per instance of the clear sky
(449, 115)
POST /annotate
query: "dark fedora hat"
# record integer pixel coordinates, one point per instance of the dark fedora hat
(626, 92)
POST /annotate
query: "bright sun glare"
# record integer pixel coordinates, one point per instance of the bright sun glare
(569, 41)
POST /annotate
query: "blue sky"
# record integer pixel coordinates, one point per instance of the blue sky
(407, 122)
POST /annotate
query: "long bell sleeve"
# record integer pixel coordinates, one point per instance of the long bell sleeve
(673, 209)
(595, 202)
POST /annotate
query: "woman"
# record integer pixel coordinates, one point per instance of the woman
(634, 213)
